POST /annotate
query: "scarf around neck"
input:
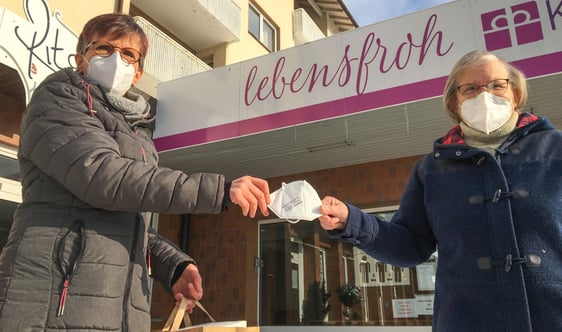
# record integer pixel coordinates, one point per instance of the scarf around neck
(457, 136)
(133, 106)
(489, 142)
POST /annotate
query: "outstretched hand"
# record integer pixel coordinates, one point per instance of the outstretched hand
(250, 193)
(334, 214)
(188, 285)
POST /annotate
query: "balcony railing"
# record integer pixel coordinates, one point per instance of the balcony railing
(167, 59)
(201, 24)
(304, 28)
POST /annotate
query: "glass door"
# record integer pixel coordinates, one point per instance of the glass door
(307, 278)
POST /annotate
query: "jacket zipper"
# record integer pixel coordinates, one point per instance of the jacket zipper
(148, 263)
(78, 227)
(63, 295)
(132, 260)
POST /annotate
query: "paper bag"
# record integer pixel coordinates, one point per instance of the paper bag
(178, 315)
(204, 328)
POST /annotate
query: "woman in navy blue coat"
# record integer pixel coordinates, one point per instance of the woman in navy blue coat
(488, 199)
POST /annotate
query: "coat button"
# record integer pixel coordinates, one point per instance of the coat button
(533, 260)
(515, 150)
(437, 155)
(458, 153)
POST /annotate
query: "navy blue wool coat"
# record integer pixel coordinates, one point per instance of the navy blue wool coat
(496, 222)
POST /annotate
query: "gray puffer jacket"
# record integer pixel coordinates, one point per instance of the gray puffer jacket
(80, 236)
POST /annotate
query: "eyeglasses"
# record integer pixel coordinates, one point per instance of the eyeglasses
(496, 87)
(105, 49)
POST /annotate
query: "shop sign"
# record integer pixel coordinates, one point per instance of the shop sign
(36, 46)
(388, 63)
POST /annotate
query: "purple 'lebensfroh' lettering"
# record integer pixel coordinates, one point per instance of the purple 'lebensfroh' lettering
(374, 58)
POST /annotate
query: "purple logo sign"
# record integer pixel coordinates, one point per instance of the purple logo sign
(519, 24)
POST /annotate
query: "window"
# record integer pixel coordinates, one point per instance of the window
(10, 190)
(9, 167)
(262, 29)
(302, 270)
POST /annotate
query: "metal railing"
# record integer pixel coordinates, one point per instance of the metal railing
(304, 28)
(167, 59)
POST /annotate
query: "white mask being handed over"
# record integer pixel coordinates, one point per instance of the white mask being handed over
(112, 73)
(486, 112)
(296, 201)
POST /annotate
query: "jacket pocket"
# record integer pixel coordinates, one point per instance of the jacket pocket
(69, 253)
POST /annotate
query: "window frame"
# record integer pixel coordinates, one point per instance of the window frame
(264, 21)
(386, 319)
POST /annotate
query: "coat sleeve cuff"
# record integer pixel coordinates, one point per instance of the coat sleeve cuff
(179, 270)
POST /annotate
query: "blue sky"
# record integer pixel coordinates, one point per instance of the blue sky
(368, 12)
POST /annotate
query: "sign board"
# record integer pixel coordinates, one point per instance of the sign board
(387, 63)
(38, 46)
(370, 272)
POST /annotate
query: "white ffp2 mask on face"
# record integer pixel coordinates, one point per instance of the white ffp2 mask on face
(112, 73)
(486, 112)
(296, 201)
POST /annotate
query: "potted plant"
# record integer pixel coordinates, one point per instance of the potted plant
(315, 307)
(349, 295)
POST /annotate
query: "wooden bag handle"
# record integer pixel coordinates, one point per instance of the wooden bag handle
(178, 313)
(176, 316)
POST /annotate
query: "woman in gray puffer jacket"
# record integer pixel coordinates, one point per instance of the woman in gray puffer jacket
(76, 255)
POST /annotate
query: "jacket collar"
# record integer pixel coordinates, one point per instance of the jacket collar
(453, 145)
